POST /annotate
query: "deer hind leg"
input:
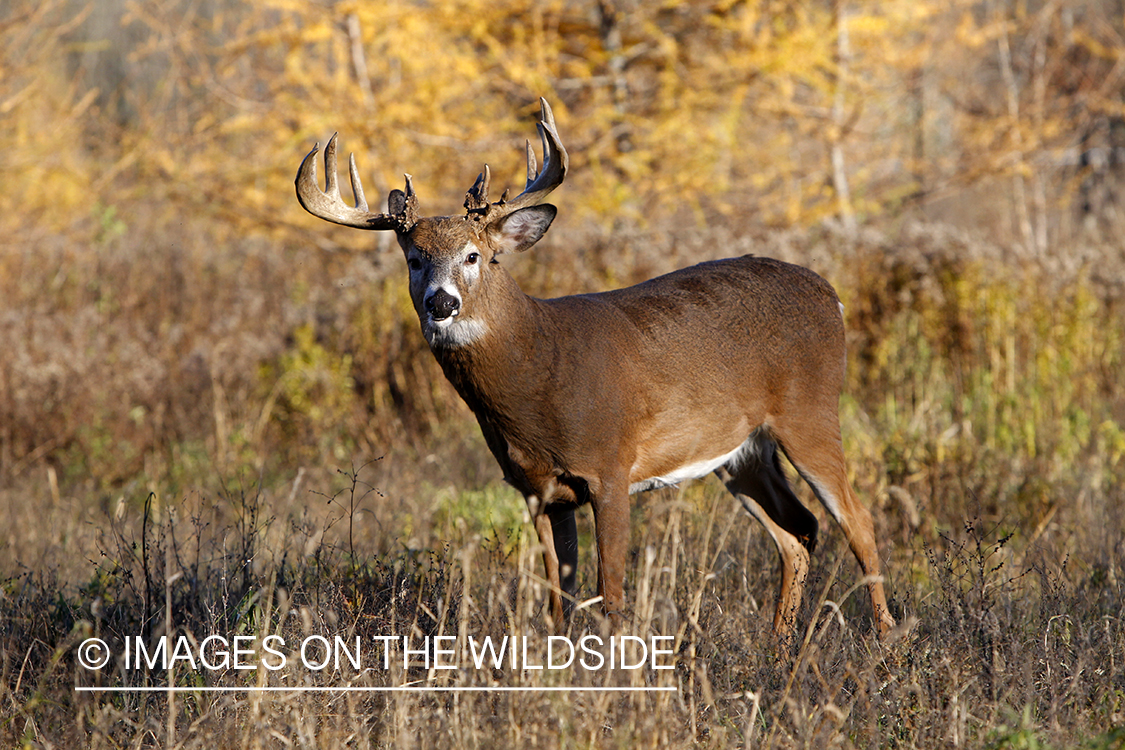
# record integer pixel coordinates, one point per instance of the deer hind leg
(819, 458)
(566, 549)
(757, 480)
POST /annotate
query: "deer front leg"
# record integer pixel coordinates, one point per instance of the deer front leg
(559, 536)
(545, 530)
(611, 528)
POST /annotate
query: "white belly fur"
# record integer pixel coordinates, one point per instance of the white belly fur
(751, 446)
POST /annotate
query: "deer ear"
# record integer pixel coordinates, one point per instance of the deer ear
(521, 229)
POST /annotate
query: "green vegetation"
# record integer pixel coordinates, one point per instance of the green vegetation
(217, 414)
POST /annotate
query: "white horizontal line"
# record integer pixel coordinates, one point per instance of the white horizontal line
(391, 689)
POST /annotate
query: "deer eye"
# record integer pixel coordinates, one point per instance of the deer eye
(472, 258)
(414, 263)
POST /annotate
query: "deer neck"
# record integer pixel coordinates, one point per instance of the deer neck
(510, 359)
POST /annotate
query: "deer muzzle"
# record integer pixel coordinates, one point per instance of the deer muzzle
(442, 305)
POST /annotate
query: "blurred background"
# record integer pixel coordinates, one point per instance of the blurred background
(171, 321)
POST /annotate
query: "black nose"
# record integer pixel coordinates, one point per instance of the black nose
(441, 304)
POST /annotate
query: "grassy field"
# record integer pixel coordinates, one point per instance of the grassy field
(300, 469)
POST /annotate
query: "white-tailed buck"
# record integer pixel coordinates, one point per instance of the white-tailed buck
(590, 398)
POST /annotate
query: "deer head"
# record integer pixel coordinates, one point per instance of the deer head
(450, 257)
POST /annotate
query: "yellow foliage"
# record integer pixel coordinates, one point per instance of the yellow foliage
(664, 106)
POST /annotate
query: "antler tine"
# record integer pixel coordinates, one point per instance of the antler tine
(547, 115)
(357, 186)
(404, 206)
(476, 199)
(532, 168)
(555, 163)
(327, 204)
(544, 142)
(332, 189)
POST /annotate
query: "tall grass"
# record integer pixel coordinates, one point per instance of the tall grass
(997, 649)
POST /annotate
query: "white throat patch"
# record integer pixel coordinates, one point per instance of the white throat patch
(453, 332)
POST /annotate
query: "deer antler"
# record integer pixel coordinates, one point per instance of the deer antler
(327, 204)
(539, 184)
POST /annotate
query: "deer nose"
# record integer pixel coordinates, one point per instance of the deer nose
(441, 305)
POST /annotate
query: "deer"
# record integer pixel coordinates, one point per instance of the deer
(588, 399)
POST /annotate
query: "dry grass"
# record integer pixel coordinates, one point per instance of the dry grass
(1005, 639)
